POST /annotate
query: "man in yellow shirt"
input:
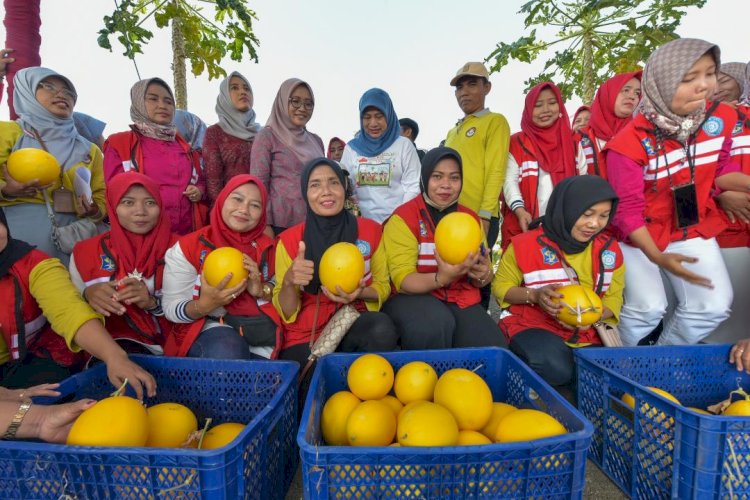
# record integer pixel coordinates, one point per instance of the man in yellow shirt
(481, 138)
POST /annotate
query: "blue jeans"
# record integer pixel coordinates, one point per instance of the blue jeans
(220, 342)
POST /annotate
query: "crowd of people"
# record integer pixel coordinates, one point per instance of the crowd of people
(642, 197)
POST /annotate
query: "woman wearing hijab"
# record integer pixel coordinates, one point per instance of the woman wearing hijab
(611, 111)
(437, 305)
(120, 272)
(581, 118)
(154, 148)
(665, 166)
(383, 165)
(45, 323)
(570, 234)
(236, 322)
(282, 149)
(305, 306)
(335, 149)
(541, 155)
(228, 144)
(730, 84)
(44, 101)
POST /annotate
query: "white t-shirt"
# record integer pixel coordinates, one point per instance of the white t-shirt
(386, 181)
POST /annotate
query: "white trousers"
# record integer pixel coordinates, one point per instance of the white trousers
(737, 327)
(697, 310)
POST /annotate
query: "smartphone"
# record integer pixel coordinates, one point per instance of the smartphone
(685, 205)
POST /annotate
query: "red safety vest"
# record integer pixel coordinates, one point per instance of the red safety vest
(96, 264)
(369, 234)
(638, 142)
(128, 147)
(195, 246)
(595, 163)
(737, 235)
(528, 182)
(417, 217)
(22, 323)
(539, 260)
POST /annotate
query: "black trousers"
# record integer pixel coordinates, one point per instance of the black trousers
(425, 322)
(492, 234)
(545, 353)
(371, 332)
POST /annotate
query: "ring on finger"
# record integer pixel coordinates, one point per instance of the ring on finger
(21, 394)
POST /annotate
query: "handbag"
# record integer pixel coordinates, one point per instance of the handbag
(331, 335)
(66, 237)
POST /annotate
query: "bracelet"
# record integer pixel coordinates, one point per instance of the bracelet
(528, 296)
(17, 419)
(440, 285)
(197, 310)
(484, 280)
(157, 303)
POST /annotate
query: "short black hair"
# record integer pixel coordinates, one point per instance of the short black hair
(409, 123)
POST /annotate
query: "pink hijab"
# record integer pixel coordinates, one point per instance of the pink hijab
(298, 139)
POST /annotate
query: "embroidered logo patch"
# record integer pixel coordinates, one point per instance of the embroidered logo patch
(107, 264)
(549, 256)
(202, 257)
(585, 141)
(364, 247)
(737, 128)
(648, 146)
(608, 259)
(471, 132)
(422, 229)
(713, 126)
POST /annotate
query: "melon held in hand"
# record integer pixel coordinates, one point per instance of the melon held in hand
(457, 235)
(28, 164)
(221, 262)
(342, 264)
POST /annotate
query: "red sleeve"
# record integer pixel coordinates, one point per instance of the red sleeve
(112, 163)
(212, 164)
(626, 177)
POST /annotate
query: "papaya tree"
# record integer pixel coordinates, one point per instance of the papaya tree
(203, 32)
(592, 40)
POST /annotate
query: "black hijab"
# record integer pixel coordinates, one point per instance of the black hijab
(569, 200)
(429, 162)
(14, 251)
(322, 232)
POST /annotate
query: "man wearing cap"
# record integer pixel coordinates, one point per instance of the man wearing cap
(410, 130)
(481, 138)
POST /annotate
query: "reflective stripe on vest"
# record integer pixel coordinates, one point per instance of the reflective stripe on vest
(32, 329)
(740, 145)
(528, 168)
(426, 254)
(705, 152)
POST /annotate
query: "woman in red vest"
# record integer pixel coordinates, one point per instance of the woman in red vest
(223, 322)
(541, 155)
(154, 148)
(567, 245)
(611, 111)
(665, 166)
(44, 323)
(305, 306)
(120, 272)
(437, 305)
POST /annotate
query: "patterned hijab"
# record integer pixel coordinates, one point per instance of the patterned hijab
(141, 122)
(60, 136)
(239, 124)
(737, 71)
(745, 97)
(298, 139)
(662, 75)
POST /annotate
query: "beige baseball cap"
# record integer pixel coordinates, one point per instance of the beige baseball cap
(471, 69)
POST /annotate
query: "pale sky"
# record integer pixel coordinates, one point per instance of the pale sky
(410, 48)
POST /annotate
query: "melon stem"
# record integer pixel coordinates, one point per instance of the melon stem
(203, 432)
(119, 391)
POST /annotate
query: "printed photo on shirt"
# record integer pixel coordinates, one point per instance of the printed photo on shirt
(374, 174)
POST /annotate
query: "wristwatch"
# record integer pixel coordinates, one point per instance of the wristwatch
(267, 290)
(17, 419)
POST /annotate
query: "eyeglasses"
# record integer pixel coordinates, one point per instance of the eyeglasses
(58, 90)
(297, 103)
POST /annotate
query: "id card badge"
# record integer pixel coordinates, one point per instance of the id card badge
(685, 200)
(62, 201)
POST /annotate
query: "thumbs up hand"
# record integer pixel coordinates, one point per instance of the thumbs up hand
(301, 271)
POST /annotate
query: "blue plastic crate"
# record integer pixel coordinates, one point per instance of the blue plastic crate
(260, 463)
(549, 468)
(664, 450)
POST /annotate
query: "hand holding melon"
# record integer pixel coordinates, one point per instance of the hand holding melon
(581, 306)
(223, 279)
(28, 170)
